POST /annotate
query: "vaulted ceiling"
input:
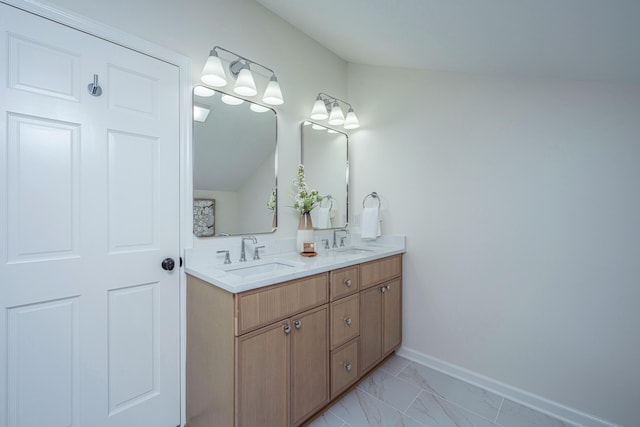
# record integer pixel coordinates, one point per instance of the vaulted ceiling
(584, 39)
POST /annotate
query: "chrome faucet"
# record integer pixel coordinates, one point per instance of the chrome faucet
(243, 257)
(335, 231)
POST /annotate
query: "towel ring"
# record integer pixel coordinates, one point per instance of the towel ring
(374, 195)
(330, 198)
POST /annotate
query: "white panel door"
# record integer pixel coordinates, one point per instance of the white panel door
(89, 205)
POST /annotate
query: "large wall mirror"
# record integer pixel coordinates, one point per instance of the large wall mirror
(325, 155)
(234, 167)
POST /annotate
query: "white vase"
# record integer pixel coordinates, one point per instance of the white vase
(305, 231)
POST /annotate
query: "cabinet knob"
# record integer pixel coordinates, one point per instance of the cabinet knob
(297, 324)
(347, 283)
(286, 329)
(347, 367)
(348, 321)
(383, 289)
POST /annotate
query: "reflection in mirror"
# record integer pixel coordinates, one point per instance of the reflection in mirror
(234, 163)
(324, 153)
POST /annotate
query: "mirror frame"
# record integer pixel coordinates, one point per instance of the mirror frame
(274, 225)
(306, 123)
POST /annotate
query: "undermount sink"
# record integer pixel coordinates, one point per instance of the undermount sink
(262, 268)
(354, 251)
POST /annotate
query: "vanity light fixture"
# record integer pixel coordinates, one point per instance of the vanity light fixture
(328, 107)
(239, 67)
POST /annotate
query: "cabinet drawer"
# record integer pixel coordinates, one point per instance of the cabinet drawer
(264, 306)
(380, 270)
(344, 367)
(344, 282)
(345, 320)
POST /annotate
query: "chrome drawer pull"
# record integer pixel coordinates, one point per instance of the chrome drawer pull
(297, 324)
(287, 329)
(347, 367)
(348, 321)
(347, 283)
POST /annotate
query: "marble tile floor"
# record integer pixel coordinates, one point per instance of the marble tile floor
(401, 393)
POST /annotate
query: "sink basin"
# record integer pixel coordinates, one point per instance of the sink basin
(354, 251)
(266, 267)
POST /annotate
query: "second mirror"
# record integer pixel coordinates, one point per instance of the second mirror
(325, 155)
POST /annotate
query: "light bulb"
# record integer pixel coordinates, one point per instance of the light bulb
(351, 121)
(273, 94)
(213, 73)
(319, 110)
(258, 108)
(336, 117)
(231, 100)
(203, 91)
(245, 85)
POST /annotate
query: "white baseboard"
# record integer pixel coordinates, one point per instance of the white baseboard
(522, 397)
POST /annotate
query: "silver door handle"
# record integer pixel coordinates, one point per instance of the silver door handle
(348, 321)
(347, 367)
(297, 324)
(286, 329)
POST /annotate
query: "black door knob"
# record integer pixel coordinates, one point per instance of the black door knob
(168, 264)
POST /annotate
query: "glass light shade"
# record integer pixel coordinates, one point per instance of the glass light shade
(336, 117)
(201, 112)
(245, 85)
(319, 110)
(203, 91)
(351, 121)
(273, 94)
(213, 73)
(258, 108)
(231, 100)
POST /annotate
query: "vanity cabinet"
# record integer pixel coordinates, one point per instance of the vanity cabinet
(277, 355)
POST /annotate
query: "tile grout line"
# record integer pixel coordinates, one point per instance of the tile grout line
(499, 409)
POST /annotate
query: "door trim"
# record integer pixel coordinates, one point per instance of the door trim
(183, 63)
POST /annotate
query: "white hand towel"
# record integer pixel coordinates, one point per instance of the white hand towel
(370, 228)
(324, 220)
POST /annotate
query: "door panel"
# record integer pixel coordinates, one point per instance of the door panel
(35, 381)
(89, 207)
(43, 172)
(133, 192)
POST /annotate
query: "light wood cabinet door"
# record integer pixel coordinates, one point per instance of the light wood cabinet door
(392, 316)
(370, 328)
(309, 363)
(262, 387)
(380, 322)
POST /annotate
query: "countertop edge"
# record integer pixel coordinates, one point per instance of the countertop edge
(309, 267)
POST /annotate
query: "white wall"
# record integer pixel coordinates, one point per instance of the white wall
(193, 27)
(521, 204)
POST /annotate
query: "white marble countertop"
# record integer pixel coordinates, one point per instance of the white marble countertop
(206, 264)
